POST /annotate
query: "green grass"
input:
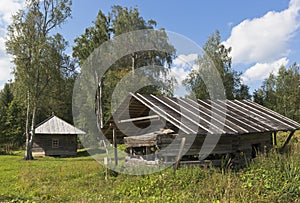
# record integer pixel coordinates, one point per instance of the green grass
(275, 178)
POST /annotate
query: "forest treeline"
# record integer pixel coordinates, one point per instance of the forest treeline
(44, 74)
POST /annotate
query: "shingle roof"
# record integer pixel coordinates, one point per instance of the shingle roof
(55, 125)
(228, 117)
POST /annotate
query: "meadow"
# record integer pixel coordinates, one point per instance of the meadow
(271, 178)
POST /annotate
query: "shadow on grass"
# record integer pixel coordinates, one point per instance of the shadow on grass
(10, 153)
(90, 152)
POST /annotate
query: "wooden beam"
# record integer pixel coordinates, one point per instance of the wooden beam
(208, 115)
(288, 140)
(115, 145)
(179, 112)
(162, 113)
(198, 116)
(230, 114)
(275, 138)
(179, 153)
(139, 119)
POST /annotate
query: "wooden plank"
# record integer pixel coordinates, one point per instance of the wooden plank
(171, 119)
(139, 141)
(273, 113)
(197, 124)
(231, 116)
(139, 119)
(271, 117)
(243, 113)
(288, 140)
(201, 118)
(244, 107)
(210, 116)
(115, 146)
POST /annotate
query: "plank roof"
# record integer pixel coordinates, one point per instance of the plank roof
(226, 117)
(55, 125)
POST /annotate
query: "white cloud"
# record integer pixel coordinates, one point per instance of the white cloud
(261, 71)
(5, 71)
(295, 4)
(185, 60)
(179, 73)
(182, 65)
(7, 9)
(264, 39)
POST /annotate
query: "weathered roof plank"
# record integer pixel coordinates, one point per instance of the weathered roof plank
(55, 125)
(228, 117)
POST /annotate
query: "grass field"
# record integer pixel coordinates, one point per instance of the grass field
(275, 178)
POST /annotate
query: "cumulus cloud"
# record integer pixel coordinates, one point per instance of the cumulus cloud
(179, 73)
(182, 65)
(263, 43)
(184, 60)
(261, 71)
(5, 72)
(264, 39)
(7, 9)
(295, 4)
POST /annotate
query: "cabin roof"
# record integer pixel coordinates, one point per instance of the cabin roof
(55, 125)
(227, 117)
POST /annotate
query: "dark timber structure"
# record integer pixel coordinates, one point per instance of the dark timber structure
(245, 128)
(55, 137)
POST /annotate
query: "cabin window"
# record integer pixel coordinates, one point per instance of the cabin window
(55, 143)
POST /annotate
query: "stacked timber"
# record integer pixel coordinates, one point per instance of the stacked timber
(158, 138)
(142, 149)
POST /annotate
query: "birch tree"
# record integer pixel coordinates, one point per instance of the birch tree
(37, 58)
(119, 21)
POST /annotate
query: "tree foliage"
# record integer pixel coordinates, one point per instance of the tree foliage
(281, 92)
(11, 121)
(122, 20)
(38, 55)
(217, 54)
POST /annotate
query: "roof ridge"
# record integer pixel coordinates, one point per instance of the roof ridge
(45, 121)
(60, 124)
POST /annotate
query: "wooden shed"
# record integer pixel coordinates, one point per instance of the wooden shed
(246, 127)
(55, 137)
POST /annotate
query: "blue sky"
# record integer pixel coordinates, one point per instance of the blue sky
(263, 34)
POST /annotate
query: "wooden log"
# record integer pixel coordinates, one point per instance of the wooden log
(179, 153)
(275, 138)
(115, 146)
(288, 140)
(139, 119)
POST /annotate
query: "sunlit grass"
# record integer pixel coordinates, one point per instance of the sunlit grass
(274, 178)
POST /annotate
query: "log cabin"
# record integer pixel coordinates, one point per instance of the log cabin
(55, 137)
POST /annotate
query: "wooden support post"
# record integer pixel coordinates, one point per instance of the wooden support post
(179, 154)
(147, 150)
(275, 138)
(115, 145)
(106, 167)
(287, 140)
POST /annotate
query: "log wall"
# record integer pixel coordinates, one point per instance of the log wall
(42, 145)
